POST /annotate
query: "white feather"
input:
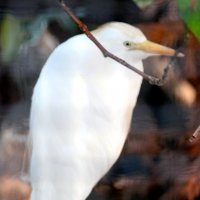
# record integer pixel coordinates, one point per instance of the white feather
(81, 111)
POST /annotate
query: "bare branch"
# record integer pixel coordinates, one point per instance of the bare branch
(196, 135)
(151, 79)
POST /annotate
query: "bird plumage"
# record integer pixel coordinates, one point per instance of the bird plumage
(81, 111)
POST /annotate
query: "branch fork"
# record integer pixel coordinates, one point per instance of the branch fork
(151, 79)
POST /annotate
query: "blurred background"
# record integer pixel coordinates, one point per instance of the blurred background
(158, 161)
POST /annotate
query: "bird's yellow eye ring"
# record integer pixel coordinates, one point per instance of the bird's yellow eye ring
(127, 44)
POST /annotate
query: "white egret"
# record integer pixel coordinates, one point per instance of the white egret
(81, 110)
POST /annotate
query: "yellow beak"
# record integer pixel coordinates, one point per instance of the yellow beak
(156, 49)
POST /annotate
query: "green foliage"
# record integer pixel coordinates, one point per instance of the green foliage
(143, 3)
(10, 37)
(190, 13)
(15, 32)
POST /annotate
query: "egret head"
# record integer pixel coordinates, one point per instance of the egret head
(122, 38)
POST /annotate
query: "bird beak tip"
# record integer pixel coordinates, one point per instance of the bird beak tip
(157, 49)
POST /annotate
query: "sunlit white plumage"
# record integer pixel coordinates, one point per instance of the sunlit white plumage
(81, 110)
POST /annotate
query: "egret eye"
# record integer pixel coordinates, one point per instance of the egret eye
(127, 44)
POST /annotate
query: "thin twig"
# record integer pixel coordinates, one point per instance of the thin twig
(151, 79)
(161, 81)
(196, 135)
(173, 59)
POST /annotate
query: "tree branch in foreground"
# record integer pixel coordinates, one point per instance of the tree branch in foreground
(196, 135)
(151, 79)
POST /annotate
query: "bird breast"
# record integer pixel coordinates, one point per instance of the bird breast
(80, 115)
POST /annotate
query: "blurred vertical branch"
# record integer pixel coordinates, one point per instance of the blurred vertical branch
(195, 135)
(193, 4)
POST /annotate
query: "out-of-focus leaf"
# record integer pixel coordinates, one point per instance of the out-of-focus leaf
(10, 37)
(190, 13)
(15, 32)
(143, 3)
(36, 27)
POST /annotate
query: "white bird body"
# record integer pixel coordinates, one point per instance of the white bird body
(81, 112)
